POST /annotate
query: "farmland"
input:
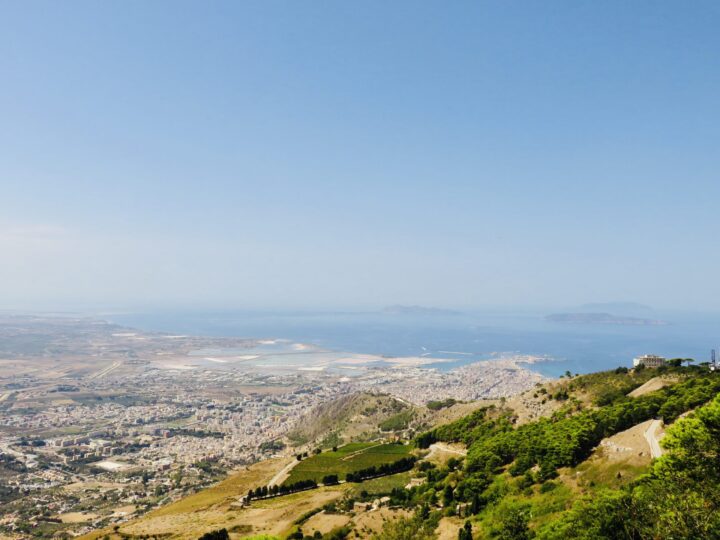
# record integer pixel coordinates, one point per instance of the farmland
(347, 459)
(380, 486)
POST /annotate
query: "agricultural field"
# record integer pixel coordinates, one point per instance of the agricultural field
(347, 459)
(380, 486)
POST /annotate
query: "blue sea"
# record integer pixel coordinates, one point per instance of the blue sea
(465, 337)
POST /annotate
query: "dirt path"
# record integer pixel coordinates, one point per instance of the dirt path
(656, 383)
(448, 528)
(283, 474)
(447, 448)
(442, 447)
(652, 439)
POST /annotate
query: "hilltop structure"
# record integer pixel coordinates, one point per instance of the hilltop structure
(649, 360)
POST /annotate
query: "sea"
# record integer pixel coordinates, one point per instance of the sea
(461, 338)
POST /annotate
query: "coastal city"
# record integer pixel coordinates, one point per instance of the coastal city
(359, 270)
(102, 423)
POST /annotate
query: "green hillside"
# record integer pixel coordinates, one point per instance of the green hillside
(519, 482)
(347, 459)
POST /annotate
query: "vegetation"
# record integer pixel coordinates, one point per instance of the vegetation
(506, 484)
(419, 527)
(398, 421)
(680, 498)
(401, 465)
(220, 534)
(285, 489)
(354, 417)
(534, 480)
(567, 438)
(348, 459)
(605, 387)
(382, 485)
(438, 405)
(338, 533)
(272, 446)
(465, 430)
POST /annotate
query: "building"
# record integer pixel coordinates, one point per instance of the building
(649, 360)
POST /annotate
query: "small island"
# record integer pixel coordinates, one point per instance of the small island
(603, 318)
(418, 310)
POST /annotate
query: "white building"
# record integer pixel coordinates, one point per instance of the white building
(649, 360)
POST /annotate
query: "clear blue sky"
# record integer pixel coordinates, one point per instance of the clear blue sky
(326, 154)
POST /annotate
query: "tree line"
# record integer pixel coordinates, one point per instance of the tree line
(401, 465)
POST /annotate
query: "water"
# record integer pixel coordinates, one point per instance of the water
(464, 338)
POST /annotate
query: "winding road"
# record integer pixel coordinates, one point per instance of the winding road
(652, 439)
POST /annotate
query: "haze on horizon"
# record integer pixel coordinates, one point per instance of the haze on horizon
(285, 154)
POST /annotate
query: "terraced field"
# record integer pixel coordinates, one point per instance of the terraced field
(349, 458)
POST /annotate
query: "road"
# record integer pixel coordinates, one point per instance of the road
(105, 371)
(283, 474)
(652, 439)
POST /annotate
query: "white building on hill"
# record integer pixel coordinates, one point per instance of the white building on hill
(649, 360)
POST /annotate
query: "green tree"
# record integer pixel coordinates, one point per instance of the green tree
(607, 515)
(513, 524)
(448, 495)
(682, 495)
(408, 529)
(475, 504)
(465, 533)
(679, 499)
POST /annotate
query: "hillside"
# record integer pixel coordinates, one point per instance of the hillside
(364, 417)
(355, 417)
(570, 459)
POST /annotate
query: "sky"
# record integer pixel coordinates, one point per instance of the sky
(358, 154)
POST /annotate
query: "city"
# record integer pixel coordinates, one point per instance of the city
(104, 423)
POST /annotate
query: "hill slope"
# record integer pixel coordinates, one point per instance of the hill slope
(349, 418)
(569, 459)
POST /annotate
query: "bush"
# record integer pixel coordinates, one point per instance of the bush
(546, 487)
(220, 534)
(330, 479)
(437, 405)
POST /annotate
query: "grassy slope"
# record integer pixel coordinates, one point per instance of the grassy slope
(206, 505)
(355, 417)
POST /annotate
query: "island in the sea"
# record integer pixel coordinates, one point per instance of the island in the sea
(418, 310)
(603, 318)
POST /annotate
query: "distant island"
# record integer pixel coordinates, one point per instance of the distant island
(630, 309)
(602, 318)
(418, 310)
